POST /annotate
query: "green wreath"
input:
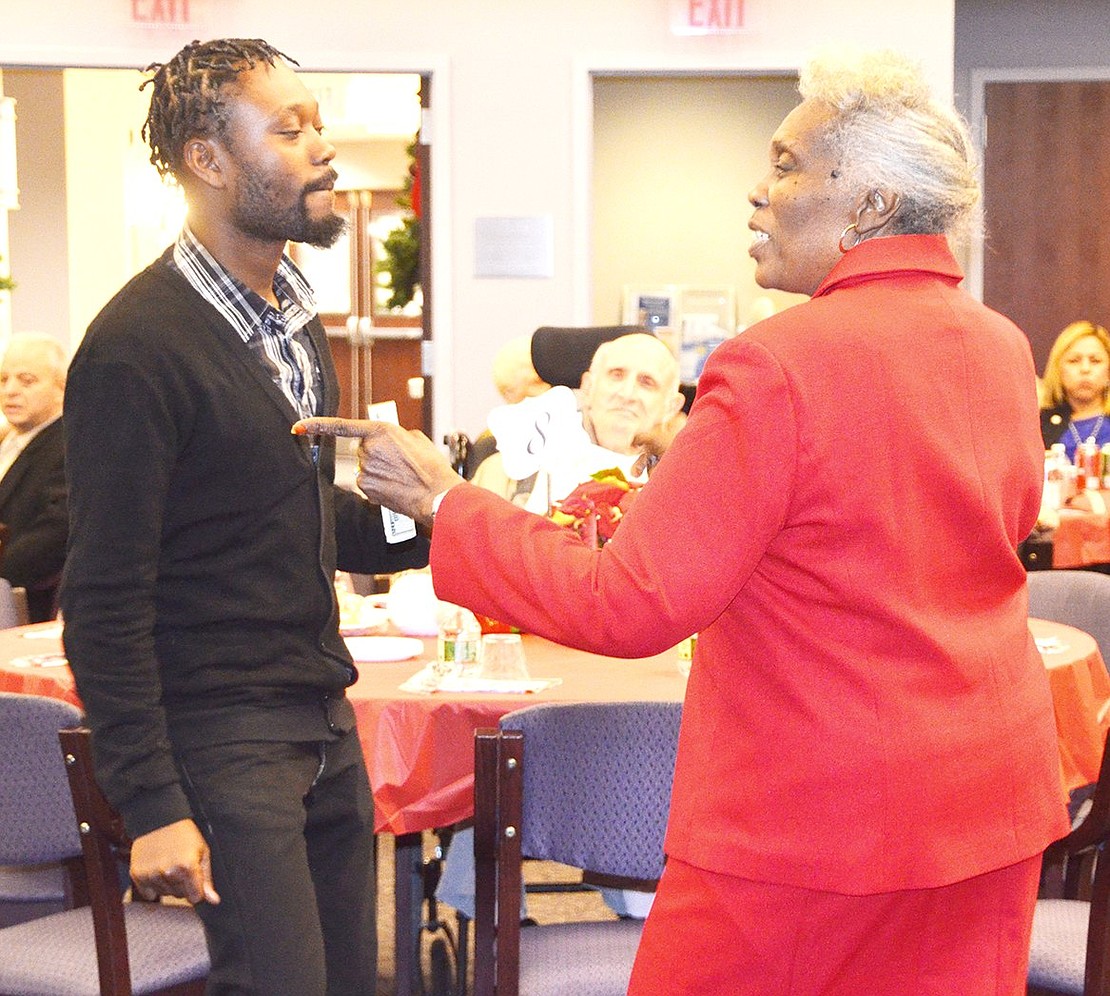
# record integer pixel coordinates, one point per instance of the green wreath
(401, 247)
(402, 261)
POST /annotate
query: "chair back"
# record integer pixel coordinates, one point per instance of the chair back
(1071, 926)
(587, 785)
(592, 767)
(36, 812)
(102, 841)
(561, 355)
(182, 964)
(1075, 598)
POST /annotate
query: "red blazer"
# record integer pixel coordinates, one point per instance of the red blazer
(839, 518)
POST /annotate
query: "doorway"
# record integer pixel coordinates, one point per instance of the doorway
(674, 157)
(93, 213)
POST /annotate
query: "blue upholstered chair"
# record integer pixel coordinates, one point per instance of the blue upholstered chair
(1075, 598)
(1070, 948)
(104, 946)
(40, 850)
(587, 785)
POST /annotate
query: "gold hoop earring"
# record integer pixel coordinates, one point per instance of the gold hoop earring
(843, 235)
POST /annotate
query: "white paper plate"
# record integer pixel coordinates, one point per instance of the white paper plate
(39, 660)
(371, 649)
(43, 631)
(1050, 645)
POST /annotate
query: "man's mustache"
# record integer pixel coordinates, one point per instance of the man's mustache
(326, 182)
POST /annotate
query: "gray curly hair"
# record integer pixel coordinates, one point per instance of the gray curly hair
(892, 133)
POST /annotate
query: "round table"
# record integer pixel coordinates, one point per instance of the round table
(419, 746)
(1080, 698)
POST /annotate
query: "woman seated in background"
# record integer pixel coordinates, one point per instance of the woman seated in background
(1075, 388)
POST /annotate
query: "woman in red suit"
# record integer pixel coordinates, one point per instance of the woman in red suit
(867, 770)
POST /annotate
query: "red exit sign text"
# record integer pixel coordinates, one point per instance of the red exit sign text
(707, 17)
(160, 11)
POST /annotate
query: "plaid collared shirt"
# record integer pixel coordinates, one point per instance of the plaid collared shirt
(279, 339)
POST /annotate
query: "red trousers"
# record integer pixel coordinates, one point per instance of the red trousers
(716, 935)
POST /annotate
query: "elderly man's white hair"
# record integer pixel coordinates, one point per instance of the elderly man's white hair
(891, 132)
(670, 363)
(55, 352)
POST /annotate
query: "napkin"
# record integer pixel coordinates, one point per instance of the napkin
(427, 680)
(39, 660)
(504, 686)
(52, 631)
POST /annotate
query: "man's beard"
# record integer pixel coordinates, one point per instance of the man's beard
(257, 216)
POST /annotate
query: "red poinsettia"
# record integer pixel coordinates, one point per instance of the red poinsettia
(595, 508)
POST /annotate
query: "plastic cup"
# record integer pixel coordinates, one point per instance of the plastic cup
(502, 657)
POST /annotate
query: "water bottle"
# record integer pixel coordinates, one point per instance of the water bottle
(1053, 496)
(457, 642)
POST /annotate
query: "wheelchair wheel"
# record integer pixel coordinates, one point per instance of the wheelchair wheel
(442, 968)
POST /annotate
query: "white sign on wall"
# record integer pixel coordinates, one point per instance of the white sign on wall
(514, 247)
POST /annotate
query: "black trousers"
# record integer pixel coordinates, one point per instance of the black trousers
(291, 830)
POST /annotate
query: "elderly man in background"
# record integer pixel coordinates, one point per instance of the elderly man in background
(32, 469)
(629, 400)
(629, 394)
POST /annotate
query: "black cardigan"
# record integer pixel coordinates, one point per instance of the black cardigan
(197, 594)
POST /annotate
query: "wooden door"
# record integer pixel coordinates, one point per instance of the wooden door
(422, 204)
(1046, 256)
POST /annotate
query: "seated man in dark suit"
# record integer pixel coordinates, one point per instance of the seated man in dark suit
(32, 470)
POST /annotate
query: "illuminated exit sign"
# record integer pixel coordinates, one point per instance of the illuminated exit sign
(707, 17)
(160, 11)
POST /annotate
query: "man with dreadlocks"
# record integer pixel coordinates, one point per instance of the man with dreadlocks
(200, 614)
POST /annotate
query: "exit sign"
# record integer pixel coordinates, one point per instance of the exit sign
(707, 17)
(160, 11)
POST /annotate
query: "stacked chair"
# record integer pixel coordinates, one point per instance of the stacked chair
(103, 945)
(1070, 949)
(587, 785)
(40, 850)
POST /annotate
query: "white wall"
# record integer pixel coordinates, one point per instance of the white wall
(1027, 34)
(512, 112)
(105, 160)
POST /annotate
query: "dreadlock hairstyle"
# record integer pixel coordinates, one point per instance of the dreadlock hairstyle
(186, 94)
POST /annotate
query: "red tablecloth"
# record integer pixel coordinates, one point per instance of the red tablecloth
(419, 747)
(1080, 697)
(1081, 539)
